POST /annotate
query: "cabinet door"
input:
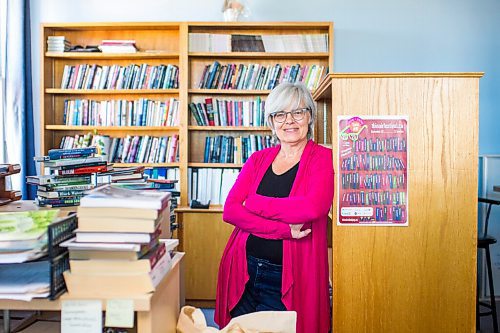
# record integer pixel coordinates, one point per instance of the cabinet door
(203, 237)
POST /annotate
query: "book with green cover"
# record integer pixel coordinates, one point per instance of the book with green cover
(19, 226)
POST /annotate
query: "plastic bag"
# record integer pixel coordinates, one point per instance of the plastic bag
(192, 320)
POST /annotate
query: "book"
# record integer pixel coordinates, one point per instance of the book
(85, 170)
(59, 180)
(64, 187)
(110, 212)
(107, 284)
(163, 184)
(91, 162)
(27, 277)
(79, 254)
(30, 225)
(55, 154)
(124, 177)
(143, 265)
(126, 251)
(145, 186)
(103, 220)
(59, 194)
(58, 202)
(116, 237)
(247, 43)
(72, 244)
(112, 196)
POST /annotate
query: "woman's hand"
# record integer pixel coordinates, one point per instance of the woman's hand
(297, 233)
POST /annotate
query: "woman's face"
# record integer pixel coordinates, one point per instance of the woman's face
(292, 126)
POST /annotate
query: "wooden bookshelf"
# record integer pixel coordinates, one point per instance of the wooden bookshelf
(97, 55)
(198, 226)
(228, 92)
(214, 165)
(260, 55)
(56, 91)
(229, 128)
(167, 43)
(158, 43)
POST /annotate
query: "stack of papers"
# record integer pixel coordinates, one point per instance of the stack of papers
(23, 237)
(25, 281)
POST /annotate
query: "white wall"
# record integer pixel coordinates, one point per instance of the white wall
(370, 36)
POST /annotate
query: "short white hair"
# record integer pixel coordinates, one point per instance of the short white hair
(290, 95)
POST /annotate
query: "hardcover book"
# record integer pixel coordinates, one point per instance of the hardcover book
(111, 196)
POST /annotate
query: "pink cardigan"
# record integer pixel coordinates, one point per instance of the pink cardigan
(305, 261)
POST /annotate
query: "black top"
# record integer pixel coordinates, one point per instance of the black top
(277, 186)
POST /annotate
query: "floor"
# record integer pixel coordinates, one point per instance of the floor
(487, 322)
(50, 322)
(53, 326)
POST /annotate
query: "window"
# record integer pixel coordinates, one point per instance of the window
(3, 49)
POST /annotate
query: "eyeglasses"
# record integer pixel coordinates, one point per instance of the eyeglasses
(297, 115)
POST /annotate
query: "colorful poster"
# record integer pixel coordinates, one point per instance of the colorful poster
(373, 175)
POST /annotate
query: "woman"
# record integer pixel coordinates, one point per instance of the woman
(276, 257)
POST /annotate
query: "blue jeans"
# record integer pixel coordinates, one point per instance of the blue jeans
(263, 289)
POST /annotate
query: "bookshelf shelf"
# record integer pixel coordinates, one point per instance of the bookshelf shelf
(160, 43)
(211, 209)
(265, 26)
(260, 55)
(147, 165)
(214, 165)
(56, 91)
(98, 55)
(228, 92)
(112, 128)
(230, 128)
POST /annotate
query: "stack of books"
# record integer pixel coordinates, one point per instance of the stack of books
(128, 175)
(117, 250)
(58, 44)
(70, 173)
(155, 184)
(118, 46)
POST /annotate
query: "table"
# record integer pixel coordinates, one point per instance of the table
(156, 312)
(26, 205)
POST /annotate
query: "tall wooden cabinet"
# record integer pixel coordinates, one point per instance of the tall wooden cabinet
(419, 278)
(202, 233)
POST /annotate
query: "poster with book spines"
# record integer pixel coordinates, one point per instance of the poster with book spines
(373, 170)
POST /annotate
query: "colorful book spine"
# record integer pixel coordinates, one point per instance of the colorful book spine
(84, 170)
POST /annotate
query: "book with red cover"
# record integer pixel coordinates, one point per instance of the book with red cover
(85, 170)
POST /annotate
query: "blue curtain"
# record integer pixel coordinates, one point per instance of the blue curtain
(18, 112)
(28, 165)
